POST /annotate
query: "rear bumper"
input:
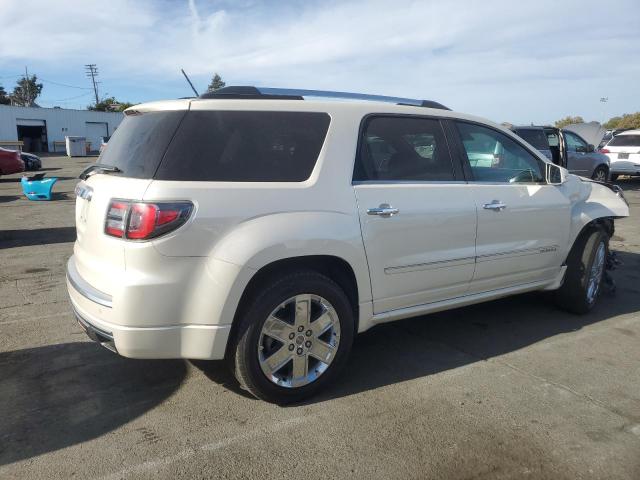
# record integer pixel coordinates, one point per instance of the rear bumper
(622, 167)
(91, 307)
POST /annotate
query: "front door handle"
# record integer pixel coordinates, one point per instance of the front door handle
(384, 210)
(496, 205)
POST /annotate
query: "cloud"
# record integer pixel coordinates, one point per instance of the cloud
(505, 59)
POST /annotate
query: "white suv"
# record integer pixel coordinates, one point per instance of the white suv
(268, 229)
(624, 152)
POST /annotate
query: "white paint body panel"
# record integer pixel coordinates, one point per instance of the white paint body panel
(176, 296)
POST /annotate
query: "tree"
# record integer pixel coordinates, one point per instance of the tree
(26, 91)
(216, 83)
(110, 105)
(4, 98)
(628, 120)
(568, 120)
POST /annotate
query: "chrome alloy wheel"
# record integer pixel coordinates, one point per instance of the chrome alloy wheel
(595, 275)
(299, 340)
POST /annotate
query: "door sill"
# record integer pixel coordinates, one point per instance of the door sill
(456, 302)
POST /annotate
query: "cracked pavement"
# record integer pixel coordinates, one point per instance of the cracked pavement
(507, 389)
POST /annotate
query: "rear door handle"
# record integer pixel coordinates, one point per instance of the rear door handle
(496, 205)
(384, 210)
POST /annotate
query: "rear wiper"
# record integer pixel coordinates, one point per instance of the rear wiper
(98, 168)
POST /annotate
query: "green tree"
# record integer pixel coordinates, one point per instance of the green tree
(4, 98)
(568, 120)
(26, 91)
(216, 83)
(628, 120)
(110, 105)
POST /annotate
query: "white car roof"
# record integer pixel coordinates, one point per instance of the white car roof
(629, 132)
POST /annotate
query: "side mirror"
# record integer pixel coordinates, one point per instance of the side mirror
(590, 148)
(555, 175)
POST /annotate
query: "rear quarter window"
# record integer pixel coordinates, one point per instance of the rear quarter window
(139, 142)
(245, 146)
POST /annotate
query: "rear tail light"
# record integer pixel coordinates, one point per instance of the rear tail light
(142, 220)
(605, 150)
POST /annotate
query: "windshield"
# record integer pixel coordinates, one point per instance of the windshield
(138, 144)
(534, 137)
(625, 141)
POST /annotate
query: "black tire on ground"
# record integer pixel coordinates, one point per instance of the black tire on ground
(601, 172)
(573, 296)
(244, 354)
(613, 177)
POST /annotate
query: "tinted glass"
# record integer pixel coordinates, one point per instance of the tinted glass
(403, 148)
(494, 157)
(137, 145)
(242, 146)
(534, 137)
(625, 141)
(574, 142)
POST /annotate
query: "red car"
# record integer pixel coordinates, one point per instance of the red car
(10, 162)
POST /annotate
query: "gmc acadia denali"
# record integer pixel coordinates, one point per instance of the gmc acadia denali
(266, 228)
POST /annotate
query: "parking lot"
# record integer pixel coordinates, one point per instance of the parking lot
(508, 389)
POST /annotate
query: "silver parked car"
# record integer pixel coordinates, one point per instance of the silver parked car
(568, 148)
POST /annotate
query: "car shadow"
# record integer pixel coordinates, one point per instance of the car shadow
(61, 395)
(422, 346)
(631, 184)
(38, 236)
(418, 347)
(8, 198)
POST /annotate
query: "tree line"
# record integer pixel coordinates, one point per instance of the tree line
(628, 120)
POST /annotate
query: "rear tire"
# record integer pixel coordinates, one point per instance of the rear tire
(278, 360)
(600, 174)
(585, 270)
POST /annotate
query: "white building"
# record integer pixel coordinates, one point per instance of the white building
(44, 129)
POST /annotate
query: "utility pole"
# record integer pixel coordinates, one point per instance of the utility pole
(92, 72)
(27, 88)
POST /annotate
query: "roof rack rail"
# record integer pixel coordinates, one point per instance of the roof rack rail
(245, 92)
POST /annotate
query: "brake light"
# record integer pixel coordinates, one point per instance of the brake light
(142, 220)
(605, 150)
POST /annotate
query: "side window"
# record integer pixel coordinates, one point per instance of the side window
(494, 157)
(575, 143)
(403, 148)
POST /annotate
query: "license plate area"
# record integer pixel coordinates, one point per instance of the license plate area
(623, 156)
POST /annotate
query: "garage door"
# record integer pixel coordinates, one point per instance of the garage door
(94, 132)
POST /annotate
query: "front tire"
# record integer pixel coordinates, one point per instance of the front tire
(585, 270)
(294, 338)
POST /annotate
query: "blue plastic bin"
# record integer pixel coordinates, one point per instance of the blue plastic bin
(37, 187)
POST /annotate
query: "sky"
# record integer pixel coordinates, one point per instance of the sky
(512, 61)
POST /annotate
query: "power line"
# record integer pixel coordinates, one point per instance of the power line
(69, 98)
(64, 84)
(92, 72)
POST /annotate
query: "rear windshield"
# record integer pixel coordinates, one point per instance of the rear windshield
(245, 146)
(625, 141)
(139, 142)
(535, 137)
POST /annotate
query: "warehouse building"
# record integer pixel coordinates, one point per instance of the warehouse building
(45, 129)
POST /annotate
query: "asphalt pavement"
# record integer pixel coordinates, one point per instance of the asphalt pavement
(508, 389)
